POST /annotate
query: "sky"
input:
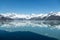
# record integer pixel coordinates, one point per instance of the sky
(29, 6)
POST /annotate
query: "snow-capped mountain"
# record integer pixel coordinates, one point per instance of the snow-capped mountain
(2, 18)
(52, 16)
(48, 16)
(26, 16)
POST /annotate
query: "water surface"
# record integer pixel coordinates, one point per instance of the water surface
(46, 28)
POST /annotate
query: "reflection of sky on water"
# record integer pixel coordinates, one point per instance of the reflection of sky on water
(48, 28)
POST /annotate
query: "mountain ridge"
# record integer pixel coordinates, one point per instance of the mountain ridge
(49, 16)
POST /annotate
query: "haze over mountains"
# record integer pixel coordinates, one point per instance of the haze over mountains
(15, 16)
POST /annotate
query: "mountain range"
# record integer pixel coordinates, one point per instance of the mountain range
(15, 16)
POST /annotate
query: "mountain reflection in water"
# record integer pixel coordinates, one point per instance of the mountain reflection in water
(46, 28)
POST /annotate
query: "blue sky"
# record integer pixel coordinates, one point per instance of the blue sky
(29, 6)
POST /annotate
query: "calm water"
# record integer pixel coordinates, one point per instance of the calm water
(46, 28)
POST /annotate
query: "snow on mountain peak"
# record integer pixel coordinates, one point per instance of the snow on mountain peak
(27, 16)
(58, 14)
